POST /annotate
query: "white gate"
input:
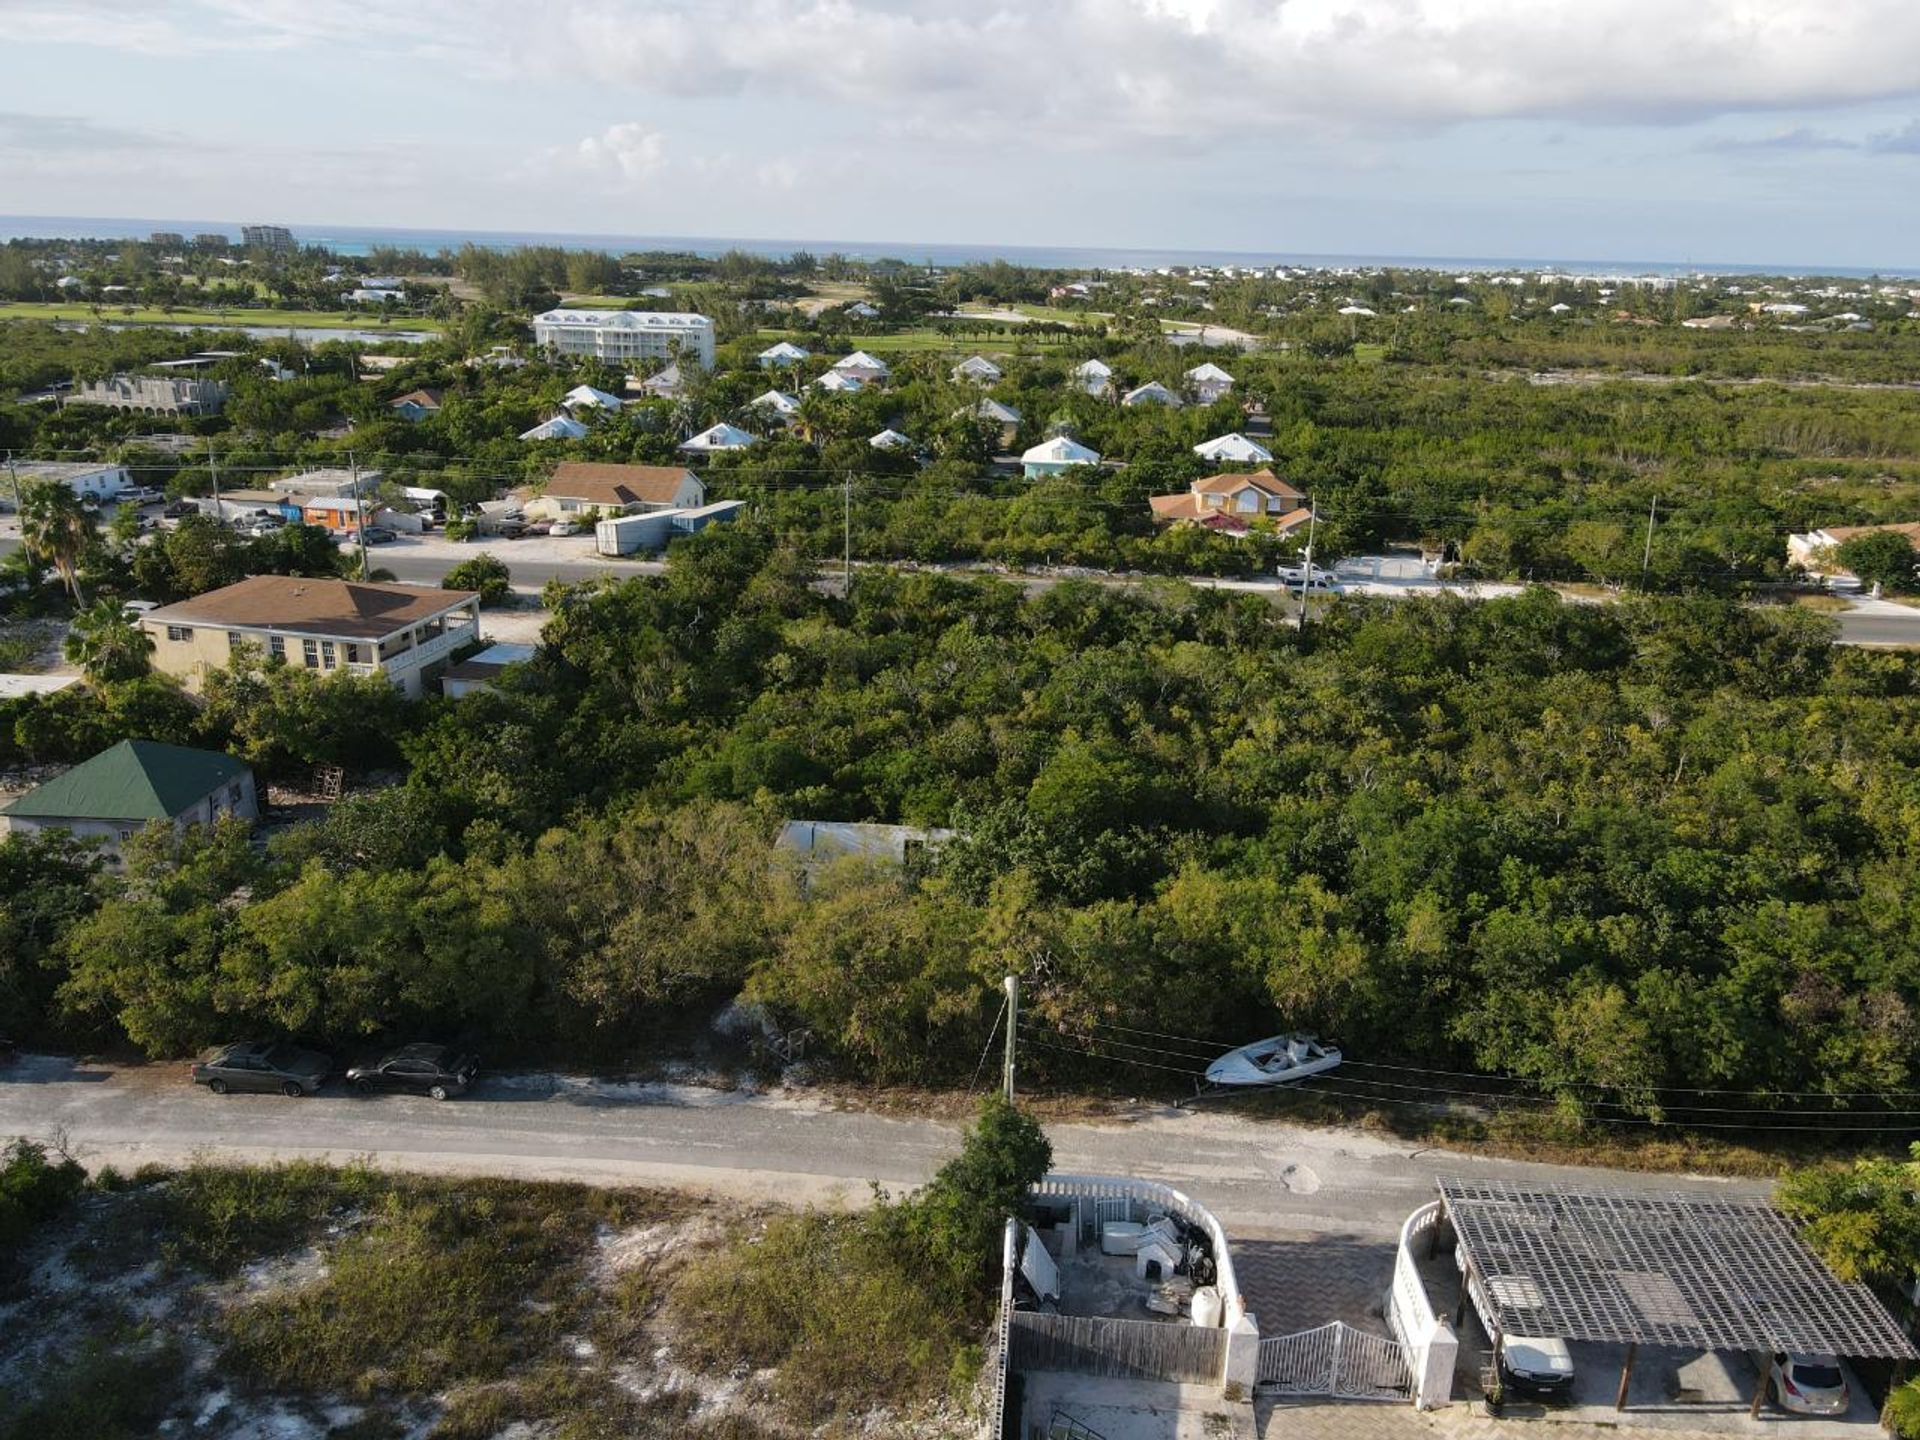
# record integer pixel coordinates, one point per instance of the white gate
(1336, 1360)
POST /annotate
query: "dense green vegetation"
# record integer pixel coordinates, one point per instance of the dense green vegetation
(1603, 848)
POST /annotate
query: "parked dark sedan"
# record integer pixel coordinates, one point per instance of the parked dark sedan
(261, 1065)
(436, 1070)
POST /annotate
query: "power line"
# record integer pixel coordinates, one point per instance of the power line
(1315, 1086)
(1216, 1048)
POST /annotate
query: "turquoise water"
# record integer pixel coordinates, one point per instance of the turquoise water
(359, 239)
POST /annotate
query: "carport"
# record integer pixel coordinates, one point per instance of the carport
(1650, 1268)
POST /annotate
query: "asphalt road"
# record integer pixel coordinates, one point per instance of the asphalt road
(1259, 1178)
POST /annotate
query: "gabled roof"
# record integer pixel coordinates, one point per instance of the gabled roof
(720, 437)
(560, 427)
(1201, 374)
(1088, 369)
(1184, 506)
(1233, 447)
(1061, 450)
(135, 780)
(425, 399)
(777, 401)
(668, 382)
(1264, 481)
(861, 360)
(785, 351)
(1151, 393)
(996, 410)
(978, 366)
(349, 609)
(890, 439)
(840, 382)
(599, 484)
(587, 395)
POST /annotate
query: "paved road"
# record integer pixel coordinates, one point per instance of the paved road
(1879, 625)
(1260, 1178)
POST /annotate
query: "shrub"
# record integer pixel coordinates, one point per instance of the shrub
(485, 573)
(33, 1188)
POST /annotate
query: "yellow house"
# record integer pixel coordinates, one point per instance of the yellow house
(404, 632)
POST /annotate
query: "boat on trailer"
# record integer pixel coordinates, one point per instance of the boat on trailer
(1277, 1060)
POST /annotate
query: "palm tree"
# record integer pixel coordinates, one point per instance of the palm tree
(106, 645)
(57, 530)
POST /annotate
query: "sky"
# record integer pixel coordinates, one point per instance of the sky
(1739, 131)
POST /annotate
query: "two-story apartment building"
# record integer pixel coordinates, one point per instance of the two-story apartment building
(404, 632)
(1231, 503)
(619, 336)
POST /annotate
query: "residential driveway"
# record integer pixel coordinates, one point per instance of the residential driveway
(1265, 1181)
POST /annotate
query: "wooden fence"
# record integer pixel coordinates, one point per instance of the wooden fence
(1123, 1349)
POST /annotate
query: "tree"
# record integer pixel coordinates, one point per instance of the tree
(485, 573)
(1863, 1218)
(1885, 558)
(57, 531)
(956, 1221)
(106, 644)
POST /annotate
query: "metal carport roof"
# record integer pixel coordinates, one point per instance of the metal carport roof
(1659, 1268)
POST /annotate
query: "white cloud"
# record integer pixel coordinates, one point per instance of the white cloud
(1108, 71)
(629, 150)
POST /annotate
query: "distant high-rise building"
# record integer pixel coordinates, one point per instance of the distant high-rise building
(172, 238)
(212, 240)
(266, 237)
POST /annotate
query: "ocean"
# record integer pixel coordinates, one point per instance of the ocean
(360, 239)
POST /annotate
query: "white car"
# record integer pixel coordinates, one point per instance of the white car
(1297, 573)
(139, 495)
(1809, 1384)
(564, 527)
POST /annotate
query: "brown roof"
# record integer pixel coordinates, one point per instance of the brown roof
(617, 484)
(1175, 507)
(425, 399)
(1263, 480)
(347, 608)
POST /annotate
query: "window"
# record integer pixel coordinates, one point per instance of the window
(233, 794)
(126, 834)
(179, 632)
(277, 646)
(353, 655)
(326, 654)
(235, 641)
(310, 652)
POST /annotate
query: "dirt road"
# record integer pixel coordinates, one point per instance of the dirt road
(1258, 1177)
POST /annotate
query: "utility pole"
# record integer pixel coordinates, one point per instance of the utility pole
(1306, 575)
(359, 514)
(846, 528)
(213, 469)
(1646, 556)
(13, 474)
(1012, 982)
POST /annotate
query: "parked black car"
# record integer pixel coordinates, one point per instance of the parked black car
(262, 1065)
(180, 509)
(436, 1070)
(380, 535)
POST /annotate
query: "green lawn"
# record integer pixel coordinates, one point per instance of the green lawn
(213, 319)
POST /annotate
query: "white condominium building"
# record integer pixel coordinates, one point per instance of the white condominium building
(623, 335)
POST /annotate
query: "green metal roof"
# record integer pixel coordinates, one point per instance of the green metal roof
(135, 780)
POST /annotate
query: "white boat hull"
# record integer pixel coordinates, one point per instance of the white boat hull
(1278, 1060)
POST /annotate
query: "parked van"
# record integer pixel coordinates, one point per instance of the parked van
(1538, 1365)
